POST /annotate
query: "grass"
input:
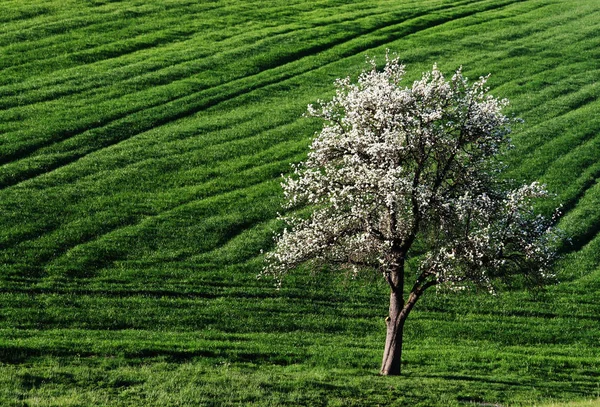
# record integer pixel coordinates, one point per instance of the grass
(141, 144)
(588, 403)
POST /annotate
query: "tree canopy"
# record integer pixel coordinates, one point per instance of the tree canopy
(396, 165)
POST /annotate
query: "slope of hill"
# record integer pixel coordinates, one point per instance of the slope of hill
(141, 144)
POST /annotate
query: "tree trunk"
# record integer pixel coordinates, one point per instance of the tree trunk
(399, 310)
(392, 354)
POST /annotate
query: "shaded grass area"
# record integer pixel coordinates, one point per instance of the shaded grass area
(141, 145)
(205, 339)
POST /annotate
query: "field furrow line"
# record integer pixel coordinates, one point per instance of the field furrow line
(191, 106)
(141, 30)
(123, 239)
(41, 83)
(354, 18)
(217, 187)
(575, 128)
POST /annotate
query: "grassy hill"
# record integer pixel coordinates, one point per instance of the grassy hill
(141, 144)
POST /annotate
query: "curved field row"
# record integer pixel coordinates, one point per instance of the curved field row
(151, 114)
(109, 113)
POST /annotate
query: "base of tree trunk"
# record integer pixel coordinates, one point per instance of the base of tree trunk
(392, 361)
(392, 353)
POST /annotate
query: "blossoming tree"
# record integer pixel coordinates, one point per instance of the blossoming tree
(395, 165)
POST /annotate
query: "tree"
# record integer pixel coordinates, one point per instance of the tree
(413, 171)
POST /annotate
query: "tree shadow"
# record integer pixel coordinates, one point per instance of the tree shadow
(16, 355)
(30, 381)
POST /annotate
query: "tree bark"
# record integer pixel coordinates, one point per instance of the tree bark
(399, 310)
(392, 353)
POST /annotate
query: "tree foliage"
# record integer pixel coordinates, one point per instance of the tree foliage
(392, 164)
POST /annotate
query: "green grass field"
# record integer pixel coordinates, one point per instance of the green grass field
(141, 147)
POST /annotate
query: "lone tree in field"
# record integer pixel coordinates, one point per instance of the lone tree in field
(413, 171)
